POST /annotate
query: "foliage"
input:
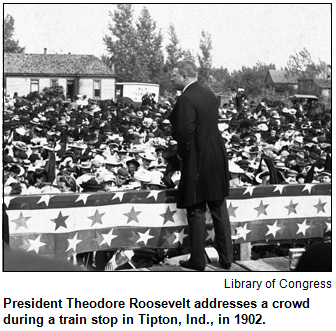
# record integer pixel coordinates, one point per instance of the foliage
(205, 60)
(122, 41)
(10, 45)
(55, 92)
(149, 55)
(301, 66)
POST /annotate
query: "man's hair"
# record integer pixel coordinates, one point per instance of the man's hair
(187, 68)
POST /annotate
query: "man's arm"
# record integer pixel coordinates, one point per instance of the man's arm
(186, 117)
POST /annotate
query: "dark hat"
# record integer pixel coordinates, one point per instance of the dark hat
(170, 155)
(33, 157)
(91, 184)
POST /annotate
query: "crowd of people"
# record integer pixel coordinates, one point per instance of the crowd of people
(87, 145)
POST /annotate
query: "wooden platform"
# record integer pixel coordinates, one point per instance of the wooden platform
(267, 264)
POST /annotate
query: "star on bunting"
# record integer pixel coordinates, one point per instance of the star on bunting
(291, 207)
(242, 231)
(119, 195)
(108, 238)
(154, 194)
(211, 234)
(232, 210)
(261, 209)
(21, 221)
(308, 187)
(7, 200)
(279, 188)
(302, 227)
(83, 197)
(144, 237)
(96, 218)
(59, 221)
(168, 216)
(44, 198)
(320, 206)
(179, 237)
(272, 229)
(169, 237)
(73, 243)
(132, 215)
(35, 244)
(328, 224)
(249, 189)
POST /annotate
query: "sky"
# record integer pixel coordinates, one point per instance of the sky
(241, 35)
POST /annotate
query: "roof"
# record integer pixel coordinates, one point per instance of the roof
(323, 83)
(54, 64)
(278, 77)
(304, 96)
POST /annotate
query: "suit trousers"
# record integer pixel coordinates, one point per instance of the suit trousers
(197, 231)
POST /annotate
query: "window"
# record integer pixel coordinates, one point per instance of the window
(96, 88)
(53, 82)
(34, 85)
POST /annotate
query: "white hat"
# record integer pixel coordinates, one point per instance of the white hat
(234, 168)
(147, 156)
(143, 175)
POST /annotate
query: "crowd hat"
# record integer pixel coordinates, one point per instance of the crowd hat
(260, 176)
(35, 121)
(234, 168)
(111, 160)
(147, 156)
(143, 175)
(92, 184)
(131, 160)
(156, 179)
(170, 155)
(85, 165)
(291, 173)
(20, 145)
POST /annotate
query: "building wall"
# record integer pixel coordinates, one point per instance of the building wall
(107, 87)
(22, 85)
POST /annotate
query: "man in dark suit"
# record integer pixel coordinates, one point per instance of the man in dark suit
(204, 165)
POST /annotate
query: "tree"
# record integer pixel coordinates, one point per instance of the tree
(205, 60)
(301, 66)
(149, 59)
(10, 45)
(174, 50)
(121, 44)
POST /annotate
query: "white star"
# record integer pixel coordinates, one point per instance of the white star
(119, 195)
(242, 232)
(308, 187)
(153, 194)
(179, 236)
(279, 188)
(108, 238)
(328, 226)
(144, 237)
(82, 197)
(7, 200)
(44, 198)
(73, 242)
(35, 244)
(302, 227)
(272, 229)
(249, 189)
(211, 234)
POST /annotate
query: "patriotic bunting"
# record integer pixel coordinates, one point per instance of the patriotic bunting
(64, 224)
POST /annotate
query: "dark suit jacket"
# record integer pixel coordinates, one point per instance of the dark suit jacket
(204, 173)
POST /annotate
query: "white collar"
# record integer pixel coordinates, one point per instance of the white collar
(188, 86)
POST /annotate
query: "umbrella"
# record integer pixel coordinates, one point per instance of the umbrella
(125, 100)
